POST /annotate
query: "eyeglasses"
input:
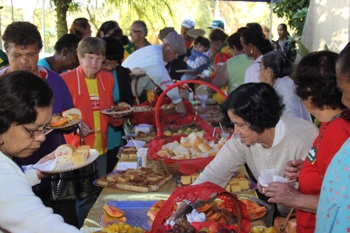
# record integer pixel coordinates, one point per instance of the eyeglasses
(36, 133)
(112, 64)
(135, 31)
(261, 70)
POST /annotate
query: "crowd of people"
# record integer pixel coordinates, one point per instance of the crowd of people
(271, 108)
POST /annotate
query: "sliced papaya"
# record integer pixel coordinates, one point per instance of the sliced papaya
(214, 217)
(157, 205)
(209, 212)
(221, 204)
(113, 211)
(204, 208)
(58, 121)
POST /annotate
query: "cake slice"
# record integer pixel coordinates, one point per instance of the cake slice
(79, 158)
(186, 180)
(243, 183)
(85, 149)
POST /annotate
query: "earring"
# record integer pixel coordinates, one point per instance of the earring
(251, 51)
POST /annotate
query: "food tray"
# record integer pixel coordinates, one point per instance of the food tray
(134, 185)
(134, 211)
(252, 186)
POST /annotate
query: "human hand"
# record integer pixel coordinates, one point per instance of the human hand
(182, 210)
(185, 59)
(181, 108)
(292, 170)
(282, 193)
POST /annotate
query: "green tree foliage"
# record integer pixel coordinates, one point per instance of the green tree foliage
(294, 11)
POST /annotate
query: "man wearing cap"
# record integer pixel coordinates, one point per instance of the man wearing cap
(186, 25)
(153, 59)
(217, 24)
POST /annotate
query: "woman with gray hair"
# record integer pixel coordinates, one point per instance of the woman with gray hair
(92, 91)
(275, 70)
(25, 112)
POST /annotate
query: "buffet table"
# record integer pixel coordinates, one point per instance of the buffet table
(110, 194)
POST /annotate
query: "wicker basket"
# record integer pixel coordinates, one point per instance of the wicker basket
(204, 192)
(172, 168)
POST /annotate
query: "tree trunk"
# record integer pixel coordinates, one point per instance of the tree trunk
(61, 16)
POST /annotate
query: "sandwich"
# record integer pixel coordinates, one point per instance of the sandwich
(64, 152)
(72, 114)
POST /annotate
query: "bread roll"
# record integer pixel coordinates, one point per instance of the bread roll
(73, 114)
(181, 151)
(65, 151)
(122, 106)
(163, 153)
(204, 147)
(195, 141)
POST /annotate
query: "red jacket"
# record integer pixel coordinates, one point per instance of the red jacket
(77, 86)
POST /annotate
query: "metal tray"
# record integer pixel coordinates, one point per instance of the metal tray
(134, 211)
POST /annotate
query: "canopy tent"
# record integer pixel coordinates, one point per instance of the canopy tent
(327, 24)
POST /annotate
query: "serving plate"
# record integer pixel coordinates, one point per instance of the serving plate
(117, 112)
(53, 166)
(134, 211)
(69, 123)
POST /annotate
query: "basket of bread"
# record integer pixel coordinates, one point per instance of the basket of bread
(181, 154)
(210, 208)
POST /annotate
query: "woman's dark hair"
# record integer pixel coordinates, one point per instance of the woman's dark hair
(79, 27)
(234, 41)
(203, 41)
(343, 62)
(125, 40)
(315, 77)
(256, 103)
(22, 34)
(21, 92)
(106, 27)
(114, 49)
(69, 41)
(257, 38)
(280, 64)
(256, 26)
(284, 26)
(217, 34)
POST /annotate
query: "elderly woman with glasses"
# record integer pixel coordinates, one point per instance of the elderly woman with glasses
(121, 93)
(25, 111)
(275, 69)
(22, 42)
(92, 91)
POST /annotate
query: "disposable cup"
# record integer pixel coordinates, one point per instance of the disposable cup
(267, 175)
(142, 157)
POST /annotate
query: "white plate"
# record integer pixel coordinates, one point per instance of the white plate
(68, 166)
(118, 112)
(201, 90)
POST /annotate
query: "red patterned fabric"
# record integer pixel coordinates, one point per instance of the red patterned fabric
(202, 191)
